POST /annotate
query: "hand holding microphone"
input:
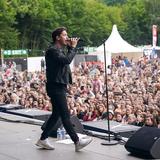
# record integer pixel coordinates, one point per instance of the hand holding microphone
(72, 42)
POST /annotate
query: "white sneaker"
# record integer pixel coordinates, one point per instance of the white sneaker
(82, 143)
(44, 144)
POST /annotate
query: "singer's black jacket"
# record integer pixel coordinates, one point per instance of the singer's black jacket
(57, 65)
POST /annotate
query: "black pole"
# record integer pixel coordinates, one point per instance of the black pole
(110, 141)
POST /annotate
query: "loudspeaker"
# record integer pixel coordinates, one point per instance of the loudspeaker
(145, 143)
(78, 127)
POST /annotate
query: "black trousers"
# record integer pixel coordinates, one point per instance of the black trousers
(60, 109)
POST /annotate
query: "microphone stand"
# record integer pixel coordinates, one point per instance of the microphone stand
(110, 141)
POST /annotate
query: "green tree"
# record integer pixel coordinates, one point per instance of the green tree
(89, 19)
(28, 24)
(8, 34)
(34, 23)
(152, 8)
(135, 15)
(114, 2)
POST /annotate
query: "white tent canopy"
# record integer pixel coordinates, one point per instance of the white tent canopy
(116, 44)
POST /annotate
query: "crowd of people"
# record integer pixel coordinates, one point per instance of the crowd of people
(133, 90)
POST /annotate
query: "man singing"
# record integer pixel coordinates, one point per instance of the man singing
(58, 57)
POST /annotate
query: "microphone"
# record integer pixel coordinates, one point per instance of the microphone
(80, 40)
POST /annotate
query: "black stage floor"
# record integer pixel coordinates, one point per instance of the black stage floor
(18, 136)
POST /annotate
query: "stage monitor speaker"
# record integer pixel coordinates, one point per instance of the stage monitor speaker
(7, 107)
(145, 143)
(75, 122)
(31, 113)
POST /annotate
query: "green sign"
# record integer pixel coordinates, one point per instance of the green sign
(15, 52)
